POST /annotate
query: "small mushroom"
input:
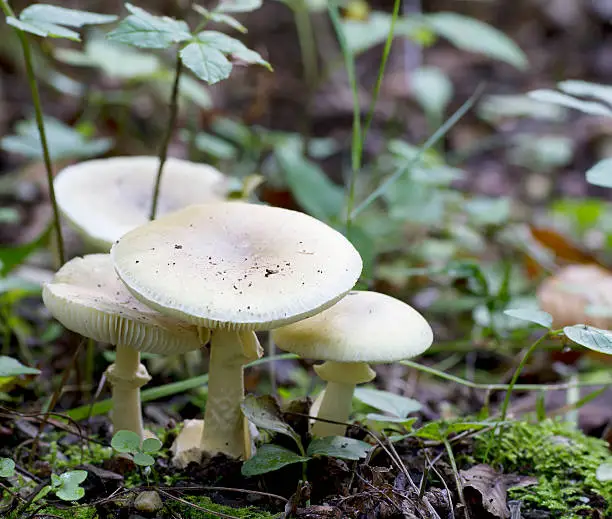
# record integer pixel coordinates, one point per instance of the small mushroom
(578, 294)
(362, 328)
(105, 198)
(235, 268)
(87, 297)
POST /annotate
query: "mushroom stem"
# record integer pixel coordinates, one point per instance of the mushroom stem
(224, 424)
(126, 376)
(341, 377)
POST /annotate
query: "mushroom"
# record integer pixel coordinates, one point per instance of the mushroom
(235, 267)
(87, 297)
(105, 198)
(578, 294)
(364, 327)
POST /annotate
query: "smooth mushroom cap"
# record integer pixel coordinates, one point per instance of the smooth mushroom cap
(575, 295)
(362, 327)
(237, 266)
(105, 198)
(87, 297)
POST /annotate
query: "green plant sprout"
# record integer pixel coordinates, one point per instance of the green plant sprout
(48, 21)
(128, 442)
(208, 54)
(7, 468)
(264, 413)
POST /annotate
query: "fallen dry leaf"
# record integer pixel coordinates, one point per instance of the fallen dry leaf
(493, 487)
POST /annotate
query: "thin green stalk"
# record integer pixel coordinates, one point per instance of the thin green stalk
(163, 152)
(27, 56)
(349, 63)
(499, 387)
(451, 458)
(517, 372)
(435, 137)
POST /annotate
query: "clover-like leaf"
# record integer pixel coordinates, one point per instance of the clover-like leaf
(7, 467)
(532, 315)
(142, 29)
(339, 447)
(143, 459)
(151, 445)
(269, 458)
(51, 20)
(67, 485)
(126, 441)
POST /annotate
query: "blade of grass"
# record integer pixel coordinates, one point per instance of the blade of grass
(431, 141)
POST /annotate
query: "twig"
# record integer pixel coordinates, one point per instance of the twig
(197, 507)
(229, 489)
(453, 463)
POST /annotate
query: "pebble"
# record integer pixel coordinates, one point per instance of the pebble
(148, 502)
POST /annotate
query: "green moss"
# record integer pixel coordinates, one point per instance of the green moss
(205, 502)
(74, 512)
(563, 459)
(76, 454)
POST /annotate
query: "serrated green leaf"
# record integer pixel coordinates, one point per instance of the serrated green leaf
(473, 35)
(339, 447)
(64, 16)
(143, 459)
(7, 467)
(561, 99)
(151, 445)
(601, 173)
(264, 412)
(126, 441)
(142, 29)
(310, 186)
(396, 405)
(40, 28)
(532, 315)
(590, 337)
(238, 6)
(27, 27)
(269, 458)
(228, 20)
(231, 46)
(10, 367)
(206, 62)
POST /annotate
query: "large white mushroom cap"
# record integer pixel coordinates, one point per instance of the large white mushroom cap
(87, 297)
(105, 198)
(236, 265)
(362, 327)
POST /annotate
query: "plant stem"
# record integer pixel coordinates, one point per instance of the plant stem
(27, 57)
(517, 372)
(163, 152)
(451, 458)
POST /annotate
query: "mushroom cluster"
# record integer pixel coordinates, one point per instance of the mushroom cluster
(216, 273)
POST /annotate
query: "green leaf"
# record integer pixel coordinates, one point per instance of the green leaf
(63, 141)
(151, 445)
(11, 257)
(142, 29)
(238, 6)
(430, 431)
(269, 458)
(604, 472)
(228, 45)
(215, 146)
(206, 62)
(488, 211)
(48, 20)
(126, 441)
(67, 485)
(339, 447)
(10, 367)
(228, 20)
(264, 412)
(590, 337)
(531, 315)
(143, 459)
(70, 493)
(310, 186)
(601, 173)
(7, 467)
(432, 89)
(558, 98)
(587, 89)
(406, 422)
(475, 36)
(396, 405)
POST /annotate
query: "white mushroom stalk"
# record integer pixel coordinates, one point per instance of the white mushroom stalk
(105, 198)
(363, 328)
(336, 404)
(87, 297)
(235, 268)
